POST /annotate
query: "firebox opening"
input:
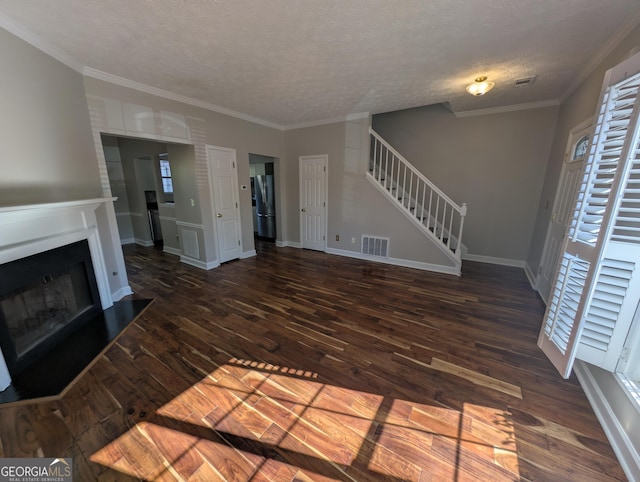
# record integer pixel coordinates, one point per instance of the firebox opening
(43, 299)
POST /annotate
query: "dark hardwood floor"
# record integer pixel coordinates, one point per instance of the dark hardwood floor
(297, 365)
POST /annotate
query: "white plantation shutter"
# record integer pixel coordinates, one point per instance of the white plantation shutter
(597, 284)
(604, 159)
(617, 288)
(565, 300)
(608, 317)
(626, 223)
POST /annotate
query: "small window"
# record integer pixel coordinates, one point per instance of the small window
(167, 182)
(581, 148)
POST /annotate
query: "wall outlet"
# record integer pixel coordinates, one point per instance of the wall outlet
(193, 202)
(337, 237)
(353, 240)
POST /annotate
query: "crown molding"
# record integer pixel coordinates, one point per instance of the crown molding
(132, 84)
(38, 42)
(334, 120)
(602, 54)
(508, 108)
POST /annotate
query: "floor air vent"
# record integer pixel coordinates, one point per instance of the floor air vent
(375, 246)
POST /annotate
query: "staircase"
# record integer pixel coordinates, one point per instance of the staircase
(432, 211)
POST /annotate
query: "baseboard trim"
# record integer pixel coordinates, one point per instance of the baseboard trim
(287, 244)
(121, 293)
(127, 241)
(142, 242)
(199, 264)
(248, 254)
(516, 263)
(622, 446)
(533, 281)
(170, 250)
(406, 263)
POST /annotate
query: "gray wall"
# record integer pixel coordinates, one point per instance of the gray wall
(185, 190)
(495, 163)
(577, 108)
(207, 127)
(118, 183)
(355, 207)
(139, 159)
(46, 148)
(121, 155)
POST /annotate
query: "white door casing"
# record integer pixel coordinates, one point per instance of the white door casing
(223, 182)
(313, 202)
(562, 209)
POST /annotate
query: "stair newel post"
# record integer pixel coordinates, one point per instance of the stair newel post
(463, 213)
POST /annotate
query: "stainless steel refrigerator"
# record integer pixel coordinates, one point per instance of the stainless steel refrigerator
(265, 206)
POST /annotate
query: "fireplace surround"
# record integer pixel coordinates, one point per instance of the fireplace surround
(44, 298)
(29, 230)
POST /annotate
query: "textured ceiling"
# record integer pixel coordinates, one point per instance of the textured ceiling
(290, 62)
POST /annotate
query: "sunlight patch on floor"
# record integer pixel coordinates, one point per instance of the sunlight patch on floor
(244, 419)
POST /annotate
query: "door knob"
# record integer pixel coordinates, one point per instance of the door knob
(304, 210)
(219, 215)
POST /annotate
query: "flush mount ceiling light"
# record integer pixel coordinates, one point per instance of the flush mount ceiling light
(481, 86)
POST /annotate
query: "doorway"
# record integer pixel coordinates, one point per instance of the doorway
(223, 179)
(140, 178)
(313, 202)
(263, 197)
(562, 205)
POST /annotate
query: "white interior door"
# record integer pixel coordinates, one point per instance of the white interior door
(313, 202)
(223, 179)
(562, 207)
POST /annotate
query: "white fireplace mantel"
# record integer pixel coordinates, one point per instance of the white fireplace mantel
(31, 229)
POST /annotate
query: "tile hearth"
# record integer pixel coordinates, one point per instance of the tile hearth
(51, 376)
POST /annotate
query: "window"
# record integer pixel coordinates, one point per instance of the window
(592, 312)
(581, 148)
(167, 181)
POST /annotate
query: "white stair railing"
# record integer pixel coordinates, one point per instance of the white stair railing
(433, 211)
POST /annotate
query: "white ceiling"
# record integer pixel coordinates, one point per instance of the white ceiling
(291, 62)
